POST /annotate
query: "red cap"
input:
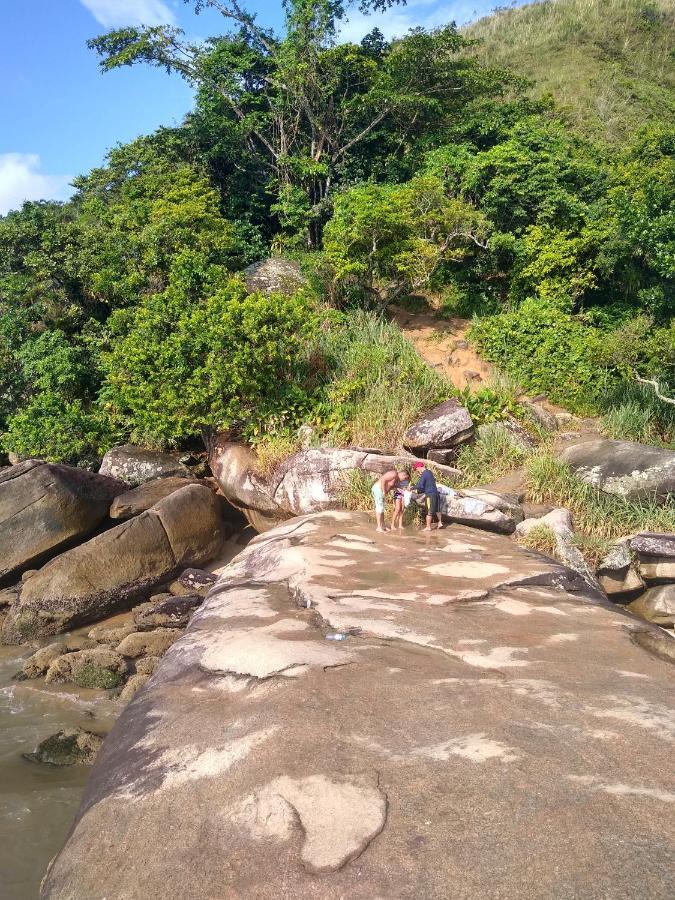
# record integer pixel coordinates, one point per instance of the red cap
(418, 465)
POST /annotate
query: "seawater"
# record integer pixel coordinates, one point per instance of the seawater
(38, 802)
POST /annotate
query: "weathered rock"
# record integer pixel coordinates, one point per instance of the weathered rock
(146, 665)
(274, 275)
(477, 508)
(148, 643)
(308, 481)
(44, 508)
(444, 457)
(137, 500)
(166, 611)
(481, 691)
(634, 471)
(101, 668)
(656, 605)
(513, 432)
(136, 465)
(111, 634)
(617, 573)
(37, 664)
(69, 747)
(656, 556)
(8, 596)
(133, 686)
(541, 415)
(446, 425)
(108, 572)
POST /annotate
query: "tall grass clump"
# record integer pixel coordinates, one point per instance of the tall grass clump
(376, 384)
(594, 512)
(489, 458)
(635, 413)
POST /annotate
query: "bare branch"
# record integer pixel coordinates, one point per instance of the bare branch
(657, 390)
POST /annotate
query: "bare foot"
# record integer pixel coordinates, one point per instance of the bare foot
(427, 529)
(381, 530)
(441, 525)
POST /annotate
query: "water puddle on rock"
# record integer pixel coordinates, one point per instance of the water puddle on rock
(38, 802)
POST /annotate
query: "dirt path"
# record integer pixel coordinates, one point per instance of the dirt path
(442, 343)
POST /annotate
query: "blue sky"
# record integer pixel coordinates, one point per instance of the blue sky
(59, 114)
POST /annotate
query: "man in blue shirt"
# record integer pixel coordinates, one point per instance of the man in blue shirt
(426, 484)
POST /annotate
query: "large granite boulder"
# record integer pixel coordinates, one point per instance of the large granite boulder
(44, 508)
(446, 425)
(485, 728)
(634, 471)
(308, 481)
(137, 500)
(136, 465)
(107, 572)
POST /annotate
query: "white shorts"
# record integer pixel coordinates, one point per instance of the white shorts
(378, 497)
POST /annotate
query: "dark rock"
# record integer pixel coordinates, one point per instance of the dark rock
(656, 605)
(541, 415)
(103, 575)
(634, 471)
(446, 425)
(137, 500)
(198, 580)
(166, 612)
(444, 457)
(136, 465)
(617, 574)
(44, 508)
(69, 747)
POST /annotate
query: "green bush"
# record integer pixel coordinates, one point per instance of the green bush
(177, 367)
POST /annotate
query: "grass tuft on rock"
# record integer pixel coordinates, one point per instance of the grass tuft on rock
(489, 458)
(97, 677)
(541, 539)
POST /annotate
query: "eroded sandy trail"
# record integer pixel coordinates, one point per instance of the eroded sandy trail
(443, 344)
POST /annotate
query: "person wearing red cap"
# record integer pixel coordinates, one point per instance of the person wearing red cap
(426, 485)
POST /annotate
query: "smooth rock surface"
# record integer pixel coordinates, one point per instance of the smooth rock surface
(102, 575)
(634, 471)
(136, 465)
(488, 729)
(44, 508)
(137, 500)
(446, 425)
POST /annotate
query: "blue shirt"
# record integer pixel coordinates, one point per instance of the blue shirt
(427, 484)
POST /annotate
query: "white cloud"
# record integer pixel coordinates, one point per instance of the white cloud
(21, 179)
(115, 13)
(417, 13)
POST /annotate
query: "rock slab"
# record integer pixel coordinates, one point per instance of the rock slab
(136, 465)
(467, 738)
(44, 508)
(100, 576)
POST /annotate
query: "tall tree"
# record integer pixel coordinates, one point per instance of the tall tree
(302, 103)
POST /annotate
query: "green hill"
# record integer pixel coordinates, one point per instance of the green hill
(609, 63)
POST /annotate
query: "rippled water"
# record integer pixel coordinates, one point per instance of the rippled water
(38, 802)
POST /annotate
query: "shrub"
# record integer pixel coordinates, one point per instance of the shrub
(178, 367)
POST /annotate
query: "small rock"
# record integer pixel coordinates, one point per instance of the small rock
(37, 664)
(133, 686)
(470, 376)
(147, 665)
(148, 643)
(198, 580)
(28, 574)
(69, 747)
(541, 415)
(656, 556)
(461, 345)
(110, 634)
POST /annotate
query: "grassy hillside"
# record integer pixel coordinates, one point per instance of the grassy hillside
(609, 63)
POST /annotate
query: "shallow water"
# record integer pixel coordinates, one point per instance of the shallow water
(38, 802)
